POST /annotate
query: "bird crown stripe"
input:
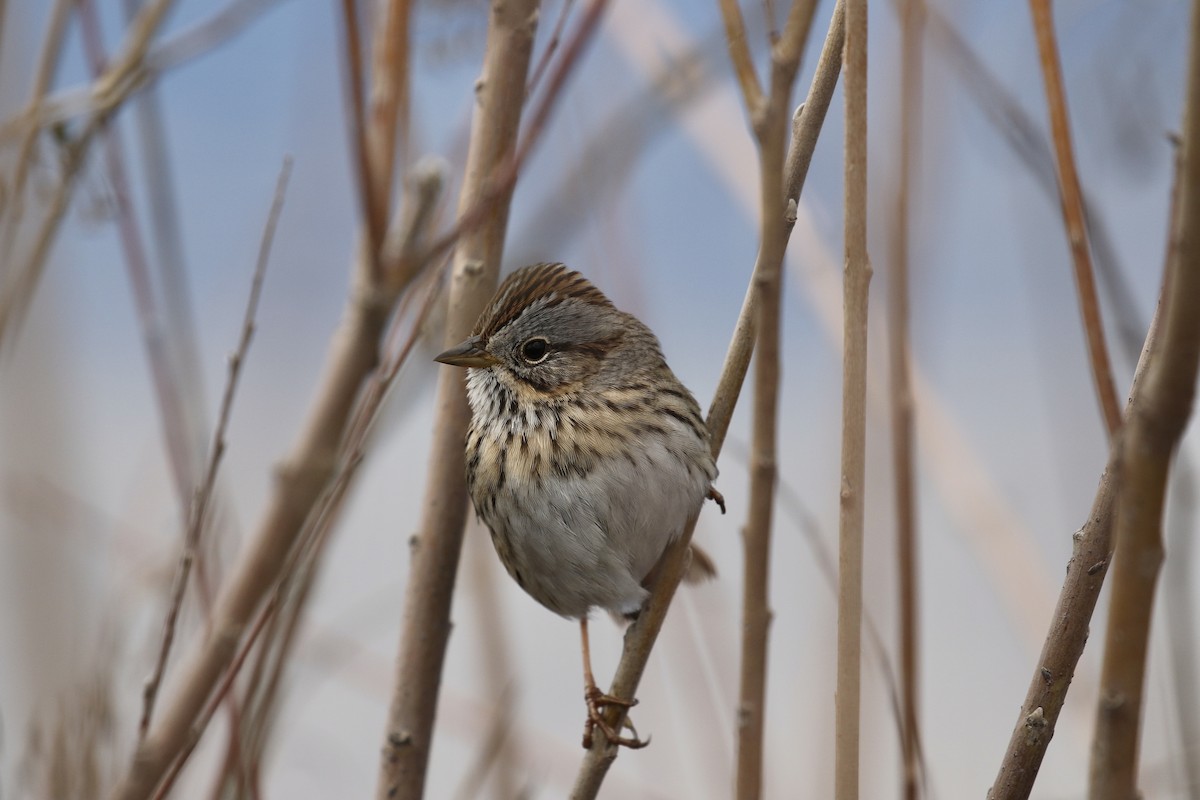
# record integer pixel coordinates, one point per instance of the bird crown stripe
(552, 282)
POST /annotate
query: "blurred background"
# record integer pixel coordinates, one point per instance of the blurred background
(646, 181)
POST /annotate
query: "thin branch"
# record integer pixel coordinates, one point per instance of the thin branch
(189, 44)
(772, 133)
(374, 214)
(1072, 208)
(535, 75)
(739, 54)
(432, 573)
(165, 232)
(807, 125)
(854, 412)
(300, 481)
(111, 89)
(388, 108)
(903, 449)
(199, 512)
(47, 63)
(1069, 627)
(183, 460)
(500, 183)
(640, 638)
(1157, 418)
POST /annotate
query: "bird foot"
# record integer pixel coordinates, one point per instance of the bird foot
(717, 498)
(596, 701)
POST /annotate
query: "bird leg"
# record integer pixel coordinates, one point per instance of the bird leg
(596, 701)
(717, 498)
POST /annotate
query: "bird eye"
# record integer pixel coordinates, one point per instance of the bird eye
(535, 350)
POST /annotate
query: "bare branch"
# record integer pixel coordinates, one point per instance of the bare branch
(739, 54)
(374, 214)
(1157, 417)
(426, 623)
(120, 78)
(1069, 627)
(903, 448)
(1072, 207)
(854, 411)
(772, 132)
(388, 108)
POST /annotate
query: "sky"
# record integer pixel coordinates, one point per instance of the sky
(1011, 443)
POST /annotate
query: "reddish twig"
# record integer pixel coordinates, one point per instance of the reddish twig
(1072, 208)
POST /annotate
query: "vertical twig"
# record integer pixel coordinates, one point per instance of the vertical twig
(770, 124)
(739, 54)
(172, 417)
(1156, 420)
(1072, 208)
(426, 623)
(912, 28)
(165, 233)
(807, 127)
(373, 213)
(44, 74)
(387, 124)
(854, 411)
(109, 91)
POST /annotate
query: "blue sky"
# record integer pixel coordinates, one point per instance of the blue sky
(995, 327)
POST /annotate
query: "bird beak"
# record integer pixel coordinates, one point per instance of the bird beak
(468, 354)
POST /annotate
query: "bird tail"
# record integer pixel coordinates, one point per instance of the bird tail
(701, 568)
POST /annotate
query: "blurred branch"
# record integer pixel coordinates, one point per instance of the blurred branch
(640, 638)
(388, 106)
(373, 212)
(899, 347)
(189, 44)
(165, 233)
(261, 689)
(1157, 418)
(48, 59)
(302, 480)
(539, 69)
(857, 278)
(426, 623)
(183, 459)
(118, 80)
(198, 516)
(1073, 214)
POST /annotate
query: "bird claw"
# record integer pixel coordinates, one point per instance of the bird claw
(717, 498)
(596, 701)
